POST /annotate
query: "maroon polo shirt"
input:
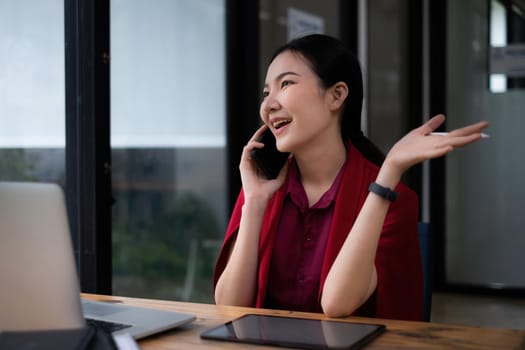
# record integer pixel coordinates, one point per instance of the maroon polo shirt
(299, 249)
(399, 291)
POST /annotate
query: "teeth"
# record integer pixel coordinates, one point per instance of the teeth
(280, 123)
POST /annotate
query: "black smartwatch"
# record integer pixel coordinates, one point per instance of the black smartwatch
(383, 192)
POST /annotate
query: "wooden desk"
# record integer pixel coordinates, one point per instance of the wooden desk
(399, 334)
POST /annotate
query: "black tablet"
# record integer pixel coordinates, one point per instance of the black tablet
(295, 332)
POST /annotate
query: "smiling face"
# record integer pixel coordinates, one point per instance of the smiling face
(298, 110)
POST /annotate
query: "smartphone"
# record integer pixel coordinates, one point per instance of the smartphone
(268, 158)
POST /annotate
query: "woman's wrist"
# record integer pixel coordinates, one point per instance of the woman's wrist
(388, 176)
(254, 204)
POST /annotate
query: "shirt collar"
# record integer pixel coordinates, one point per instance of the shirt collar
(297, 193)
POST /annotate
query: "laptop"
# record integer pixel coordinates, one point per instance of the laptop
(39, 288)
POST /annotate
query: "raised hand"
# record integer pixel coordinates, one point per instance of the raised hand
(419, 145)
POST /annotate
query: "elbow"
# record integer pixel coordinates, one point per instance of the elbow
(342, 305)
(226, 301)
(335, 309)
(228, 297)
(221, 297)
(218, 300)
(335, 312)
(340, 301)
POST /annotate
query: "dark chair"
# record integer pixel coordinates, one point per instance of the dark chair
(425, 243)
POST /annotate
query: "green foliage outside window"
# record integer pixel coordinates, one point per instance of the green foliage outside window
(14, 166)
(167, 249)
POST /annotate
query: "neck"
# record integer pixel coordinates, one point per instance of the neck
(319, 167)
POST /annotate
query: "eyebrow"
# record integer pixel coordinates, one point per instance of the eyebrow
(282, 75)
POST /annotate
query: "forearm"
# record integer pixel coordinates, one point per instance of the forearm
(238, 282)
(352, 277)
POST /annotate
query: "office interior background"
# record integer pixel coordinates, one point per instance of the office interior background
(140, 109)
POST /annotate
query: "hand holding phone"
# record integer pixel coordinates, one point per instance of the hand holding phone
(269, 159)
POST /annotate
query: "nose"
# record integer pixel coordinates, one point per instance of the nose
(270, 104)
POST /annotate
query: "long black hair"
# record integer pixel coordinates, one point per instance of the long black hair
(333, 62)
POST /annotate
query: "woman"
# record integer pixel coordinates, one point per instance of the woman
(320, 237)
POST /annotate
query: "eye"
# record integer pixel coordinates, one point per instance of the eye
(265, 94)
(285, 83)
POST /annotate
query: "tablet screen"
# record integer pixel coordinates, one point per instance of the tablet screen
(295, 332)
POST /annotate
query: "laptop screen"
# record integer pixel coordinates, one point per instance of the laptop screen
(39, 283)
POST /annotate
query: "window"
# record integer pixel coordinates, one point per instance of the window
(32, 108)
(168, 142)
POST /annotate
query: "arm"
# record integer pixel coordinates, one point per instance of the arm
(353, 277)
(237, 285)
(241, 269)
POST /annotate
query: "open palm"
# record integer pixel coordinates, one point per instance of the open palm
(419, 145)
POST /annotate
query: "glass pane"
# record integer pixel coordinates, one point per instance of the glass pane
(387, 72)
(280, 21)
(168, 146)
(484, 209)
(32, 107)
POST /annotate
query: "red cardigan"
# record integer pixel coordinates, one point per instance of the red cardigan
(399, 292)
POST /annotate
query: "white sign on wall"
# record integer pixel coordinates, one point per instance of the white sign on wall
(301, 23)
(508, 60)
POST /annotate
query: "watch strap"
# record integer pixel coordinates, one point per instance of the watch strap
(383, 192)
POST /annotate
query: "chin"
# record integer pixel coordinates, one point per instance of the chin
(282, 147)
(288, 144)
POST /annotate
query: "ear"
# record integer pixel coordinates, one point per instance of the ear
(337, 95)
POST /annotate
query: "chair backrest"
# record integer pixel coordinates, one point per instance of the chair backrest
(425, 244)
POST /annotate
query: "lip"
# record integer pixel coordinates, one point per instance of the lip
(282, 128)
